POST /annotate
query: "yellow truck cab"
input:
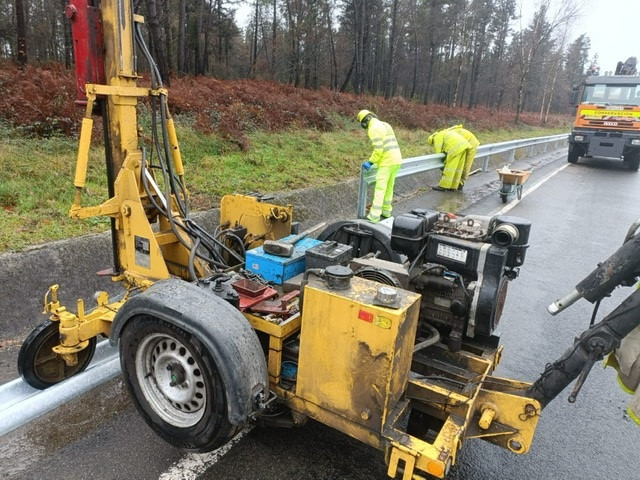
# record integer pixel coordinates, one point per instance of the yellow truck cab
(607, 121)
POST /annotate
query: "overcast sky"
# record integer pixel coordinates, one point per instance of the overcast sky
(613, 26)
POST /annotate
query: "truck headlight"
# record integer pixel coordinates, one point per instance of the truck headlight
(578, 138)
(635, 141)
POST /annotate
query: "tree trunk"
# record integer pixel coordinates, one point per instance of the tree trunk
(274, 35)
(166, 17)
(182, 25)
(388, 89)
(198, 51)
(21, 30)
(157, 40)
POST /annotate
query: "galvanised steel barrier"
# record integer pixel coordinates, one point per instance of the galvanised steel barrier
(425, 163)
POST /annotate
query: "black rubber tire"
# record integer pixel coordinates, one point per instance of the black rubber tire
(633, 163)
(573, 156)
(39, 366)
(213, 429)
(504, 197)
(519, 190)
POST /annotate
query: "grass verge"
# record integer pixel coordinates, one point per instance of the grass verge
(36, 174)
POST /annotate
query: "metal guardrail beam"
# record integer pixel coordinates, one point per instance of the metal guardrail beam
(21, 403)
(425, 163)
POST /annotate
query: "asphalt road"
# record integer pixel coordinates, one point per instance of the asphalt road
(580, 216)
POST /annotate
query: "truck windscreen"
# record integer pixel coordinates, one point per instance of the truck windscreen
(612, 94)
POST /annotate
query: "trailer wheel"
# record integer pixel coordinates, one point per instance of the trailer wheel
(573, 156)
(39, 366)
(634, 163)
(175, 384)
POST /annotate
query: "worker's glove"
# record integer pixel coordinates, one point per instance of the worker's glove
(367, 165)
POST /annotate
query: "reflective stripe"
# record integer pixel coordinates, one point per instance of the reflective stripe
(389, 140)
(634, 408)
(392, 147)
(376, 139)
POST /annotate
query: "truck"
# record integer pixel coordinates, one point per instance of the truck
(385, 333)
(607, 119)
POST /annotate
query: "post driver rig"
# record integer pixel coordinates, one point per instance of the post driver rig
(395, 347)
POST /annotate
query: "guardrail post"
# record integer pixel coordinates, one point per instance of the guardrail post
(362, 194)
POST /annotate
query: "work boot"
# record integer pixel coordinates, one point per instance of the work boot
(438, 188)
(460, 187)
(373, 219)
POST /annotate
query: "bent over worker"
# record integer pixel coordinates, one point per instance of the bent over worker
(387, 157)
(471, 153)
(456, 147)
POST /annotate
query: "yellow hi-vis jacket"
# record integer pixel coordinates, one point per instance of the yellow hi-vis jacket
(450, 142)
(626, 360)
(386, 151)
(468, 136)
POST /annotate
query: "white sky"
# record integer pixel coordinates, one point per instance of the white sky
(613, 26)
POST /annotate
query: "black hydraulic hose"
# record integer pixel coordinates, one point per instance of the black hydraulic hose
(172, 186)
(153, 67)
(192, 255)
(111, 177)
(595, 312)
(156, 82)
(145, 184)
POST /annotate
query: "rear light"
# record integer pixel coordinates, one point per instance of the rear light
(635, 141)
(578, 138)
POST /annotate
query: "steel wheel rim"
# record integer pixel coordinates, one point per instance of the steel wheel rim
(171, 380)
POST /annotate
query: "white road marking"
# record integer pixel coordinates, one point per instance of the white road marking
(194, 464)
(515, 201)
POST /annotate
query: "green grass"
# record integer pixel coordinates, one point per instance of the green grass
(36, 175)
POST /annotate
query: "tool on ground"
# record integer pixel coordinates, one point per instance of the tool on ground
(284, 248)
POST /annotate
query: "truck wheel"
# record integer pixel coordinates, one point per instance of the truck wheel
(175, 384)
(634, 163)
(573, 156)
(39, 366)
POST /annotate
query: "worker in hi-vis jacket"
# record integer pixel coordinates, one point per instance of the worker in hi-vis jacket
(386, 157)
(471, 153)
(456, 148)
(626, 360)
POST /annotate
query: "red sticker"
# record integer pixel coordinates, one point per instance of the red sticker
(366, 316)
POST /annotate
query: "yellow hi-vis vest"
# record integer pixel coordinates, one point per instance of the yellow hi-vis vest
(449, 142)
(468, 136)
(386, 151)
(626, 360)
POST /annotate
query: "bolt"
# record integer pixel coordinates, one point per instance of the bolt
(365, 414)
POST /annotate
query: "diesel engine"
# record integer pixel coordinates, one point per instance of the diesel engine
(461, 266)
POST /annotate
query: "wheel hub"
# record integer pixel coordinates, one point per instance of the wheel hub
(171, 380)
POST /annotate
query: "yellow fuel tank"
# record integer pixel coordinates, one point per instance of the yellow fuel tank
(355, 355)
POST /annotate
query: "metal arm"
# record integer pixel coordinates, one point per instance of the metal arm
(621, 268)
(590, 347)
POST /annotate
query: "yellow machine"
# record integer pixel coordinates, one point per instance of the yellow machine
(399, 355)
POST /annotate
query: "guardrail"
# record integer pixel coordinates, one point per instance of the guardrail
(21, 403)
(425, 163)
